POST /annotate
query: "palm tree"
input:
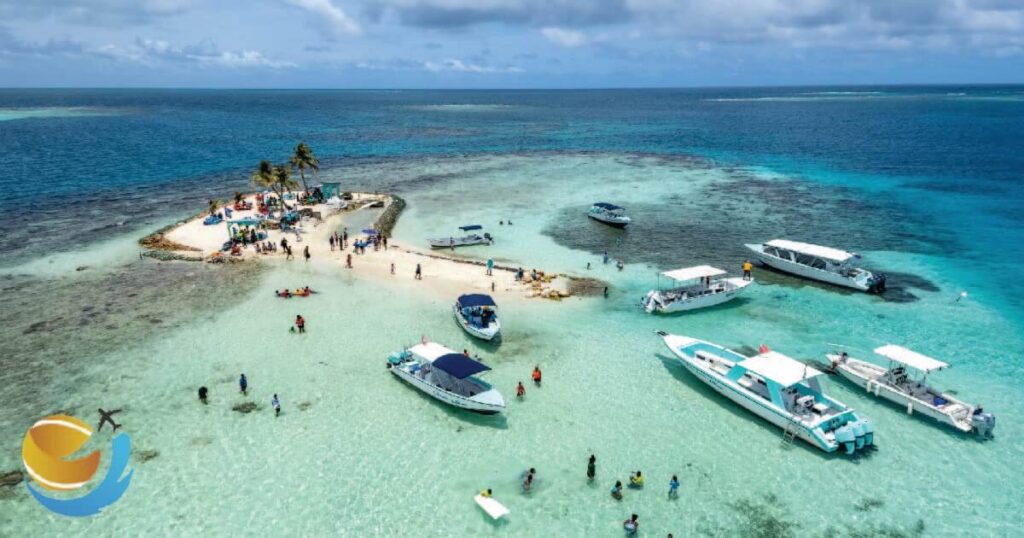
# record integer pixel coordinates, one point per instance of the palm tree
(263, 178)
(302, 159)
(283, 181)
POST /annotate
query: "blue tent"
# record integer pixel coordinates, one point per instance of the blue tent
(608, 206)
(475, 299)
(469, 227)
(459, 366)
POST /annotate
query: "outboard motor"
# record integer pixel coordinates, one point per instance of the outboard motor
(846, 438)
(869, 432)
(858, 432)
(877, 283)
(983, 422)
(488, 237)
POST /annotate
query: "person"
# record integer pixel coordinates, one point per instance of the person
(617, 490)
(305, 252)
(257, 247)
(384, 239)
(344, 237)
(348, 261)
(536, 375)
(492, 286)
(490, 267)
(277, 406)
(288, 253)
(528, 482)
(605, 259)
(747, 267)
(520, 391)
(392, 267)
(673, 487)
(419, 272)
(510, 222)
(300, 324)
(451, 243)
(631, 525)
(202, 394)
(465, 352)
(284, 243)
(243, 384)
(486, 493)
(606, 292)
(108, 417)
(636, 481)
(591, 468)
(331, 241)
(588, 266)
(620, 265)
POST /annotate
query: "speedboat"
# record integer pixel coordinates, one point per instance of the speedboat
(779, 389)
(463, 240)
(820, 263)
(893, 383)
(477, 314)
(609, 214)
(690, 294)
(447, 376)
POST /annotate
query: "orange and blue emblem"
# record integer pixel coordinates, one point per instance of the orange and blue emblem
(52, 439)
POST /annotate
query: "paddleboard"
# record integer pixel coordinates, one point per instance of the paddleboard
(493, 508)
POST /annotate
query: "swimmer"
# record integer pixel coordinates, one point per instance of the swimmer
(631, 525)
(591, 468)
(673, 487)
(636, 481)
(617, 490)
(536, 375)
(485, 493)
(520, 391)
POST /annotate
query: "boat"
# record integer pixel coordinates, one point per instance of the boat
(493, 508)
(690, 294)
(609, 214)
(447, 376)
(893, 383)
(816, 262)
(477, 314)
(463, 240)
(779, 389)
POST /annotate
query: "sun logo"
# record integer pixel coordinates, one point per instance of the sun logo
(52, 439)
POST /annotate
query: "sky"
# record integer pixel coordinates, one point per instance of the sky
(507, 43)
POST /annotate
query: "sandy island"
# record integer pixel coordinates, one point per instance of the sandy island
(192, 240)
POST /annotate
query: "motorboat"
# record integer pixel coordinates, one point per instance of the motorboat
(609, 214)
(777, 388)
(463, 240)
(689, 294)
(816, 262)
(894, 383)
(447, 376)
(477, 314)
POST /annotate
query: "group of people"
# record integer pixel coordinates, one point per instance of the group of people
(243, 387)
(300, 292)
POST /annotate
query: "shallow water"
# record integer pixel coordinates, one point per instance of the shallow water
(357, 452)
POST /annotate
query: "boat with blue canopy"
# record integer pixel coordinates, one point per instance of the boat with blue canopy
(467, 238)
(477, 314)
(777, 388)
(447, 376)
(609, 214)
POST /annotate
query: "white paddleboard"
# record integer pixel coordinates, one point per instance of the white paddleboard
(493, 508)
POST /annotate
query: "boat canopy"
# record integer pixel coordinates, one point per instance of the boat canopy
(827, 253)
(459, 366)
(430, 351)
(475, 299)
(693, 273)
(913, 359)
(609, 207)
(469, 227)
(779, 368)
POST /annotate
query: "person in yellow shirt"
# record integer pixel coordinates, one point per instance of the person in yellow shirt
(747, 267)
(485, 493)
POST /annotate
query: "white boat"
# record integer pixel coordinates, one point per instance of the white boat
(690, 294)
(609, 214)
(493, 508)
(463, 240)
(447, 376)
(816, 262)
(893, 383)
(477, 314)
(779, 389)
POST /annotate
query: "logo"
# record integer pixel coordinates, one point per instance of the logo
(52, 439)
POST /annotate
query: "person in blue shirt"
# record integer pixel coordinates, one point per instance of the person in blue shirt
(243, 384)
(673, 487)
(277, 406)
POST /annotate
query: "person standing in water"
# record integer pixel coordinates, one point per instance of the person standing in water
(536, 375)
(419, 272)
(243, 384)
(631, 525)
(617, 490)
(305, 252)
(520, 391)
(331, 241)
(673, 487)
(591, 468)
(392, 267)
(300, 324)
(348, 261)
(202, 394)
(490, 267)
(277, 406)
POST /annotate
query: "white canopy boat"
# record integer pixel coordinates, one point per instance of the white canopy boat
(779, 389)
(477, 314)
(690, 295)
(820, 263)
(609, 214)
(894, 384)
(463, 240)
(447, 376)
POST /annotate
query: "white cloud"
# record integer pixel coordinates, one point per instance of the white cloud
(334, 19)
(564, 37)
(458, 66)
(154, 51)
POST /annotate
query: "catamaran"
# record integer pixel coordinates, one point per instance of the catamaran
(779, 389)
(447, 376)
(893, 383)
(463, 240)
(820, 263)
(609, 214)
(477, 314)
(690, 294)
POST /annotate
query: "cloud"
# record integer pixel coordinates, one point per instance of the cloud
(152, 52)
(95, 12)
(564, 37)
(458, 66)
(330, 17)
(463, 13)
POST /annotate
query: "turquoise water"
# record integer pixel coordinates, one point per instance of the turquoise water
(357, 452)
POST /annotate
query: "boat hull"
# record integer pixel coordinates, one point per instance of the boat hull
(615, 223)
(810, 273)
(444, 396)
(490, 334)
(702, 301)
